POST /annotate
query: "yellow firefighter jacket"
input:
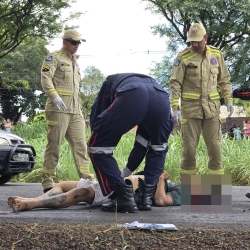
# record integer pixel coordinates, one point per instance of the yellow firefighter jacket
(60, 76)
(195, 78)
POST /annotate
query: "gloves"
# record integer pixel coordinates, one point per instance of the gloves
(59, 103)
(230, 109)
(177, 116)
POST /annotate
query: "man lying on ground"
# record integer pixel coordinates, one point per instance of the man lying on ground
(69, 193)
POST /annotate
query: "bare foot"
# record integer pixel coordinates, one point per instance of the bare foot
(12, 198)
(19, 205)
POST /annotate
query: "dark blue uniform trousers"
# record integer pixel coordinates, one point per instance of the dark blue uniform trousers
(138, 101)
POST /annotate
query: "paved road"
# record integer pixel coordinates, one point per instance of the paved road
(80, 213)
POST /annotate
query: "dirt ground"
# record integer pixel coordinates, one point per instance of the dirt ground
(95, 237)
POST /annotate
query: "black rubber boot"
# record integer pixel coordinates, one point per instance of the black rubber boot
(122, 200)
(47, 189)
(144, 195)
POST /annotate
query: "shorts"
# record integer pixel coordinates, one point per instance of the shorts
(99, 198)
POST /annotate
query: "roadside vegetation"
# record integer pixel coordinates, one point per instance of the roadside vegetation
(235, 156)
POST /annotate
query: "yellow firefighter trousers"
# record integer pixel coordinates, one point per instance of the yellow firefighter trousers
(71, 127)
(191, 130)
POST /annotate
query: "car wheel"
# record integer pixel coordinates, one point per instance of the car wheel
(5, 178)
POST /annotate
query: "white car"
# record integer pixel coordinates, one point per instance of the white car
(15, 156)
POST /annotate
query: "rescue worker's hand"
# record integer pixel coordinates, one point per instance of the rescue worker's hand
(164, 175)
(230, 109)
(177, 116)
(59, 103)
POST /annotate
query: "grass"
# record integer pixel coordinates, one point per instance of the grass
(235, 156)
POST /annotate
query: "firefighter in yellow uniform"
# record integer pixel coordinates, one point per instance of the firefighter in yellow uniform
(196, 73)
(60, 78)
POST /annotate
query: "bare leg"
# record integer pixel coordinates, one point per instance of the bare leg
(60, 188)
(63, 195)
(63, 200)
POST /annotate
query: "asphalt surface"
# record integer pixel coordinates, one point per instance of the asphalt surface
(83, 214)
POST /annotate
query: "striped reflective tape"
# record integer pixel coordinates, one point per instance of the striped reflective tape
(213, 51)
(214, 96)
(159, 147)
(52, 123)
(101, 150)
(189, 95)
(84, 169)
(188, 171)
(174, 102)
(64, 92)
(142, 141)
(215, 171)
(189, 55)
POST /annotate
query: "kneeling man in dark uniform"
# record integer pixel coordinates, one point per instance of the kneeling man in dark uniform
(124, 101)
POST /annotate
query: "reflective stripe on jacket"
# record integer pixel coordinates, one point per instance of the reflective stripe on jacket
(60, 76)
(195, 78)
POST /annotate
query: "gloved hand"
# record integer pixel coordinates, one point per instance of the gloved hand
(59, 103)
(230, 109)
(177, 116)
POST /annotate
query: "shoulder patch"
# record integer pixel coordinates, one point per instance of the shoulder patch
(46, 68)
(48, 58)
(213, 61)
(176, 62)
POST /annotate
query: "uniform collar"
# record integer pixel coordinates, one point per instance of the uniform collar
(69, 55)
(204, 52)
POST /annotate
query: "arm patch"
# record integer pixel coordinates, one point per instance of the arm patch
(45, 68)
(48, 58)
(176, 62)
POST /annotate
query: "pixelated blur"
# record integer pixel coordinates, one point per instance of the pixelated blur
(206, 193)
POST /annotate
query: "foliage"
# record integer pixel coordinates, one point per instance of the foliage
(162, 72)
(245, 104)
(40, 117)
(34, 18)
(24, 27)
(90, 85)
(238, 167)
(31, 131)
(20, 79)
(227, 24)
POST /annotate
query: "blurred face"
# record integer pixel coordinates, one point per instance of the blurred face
(199, 46)
(71, 45)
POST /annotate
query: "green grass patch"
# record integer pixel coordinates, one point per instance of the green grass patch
(235, 156)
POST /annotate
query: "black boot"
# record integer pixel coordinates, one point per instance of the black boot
(144, 195)
(47, 189)
(122, 200)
